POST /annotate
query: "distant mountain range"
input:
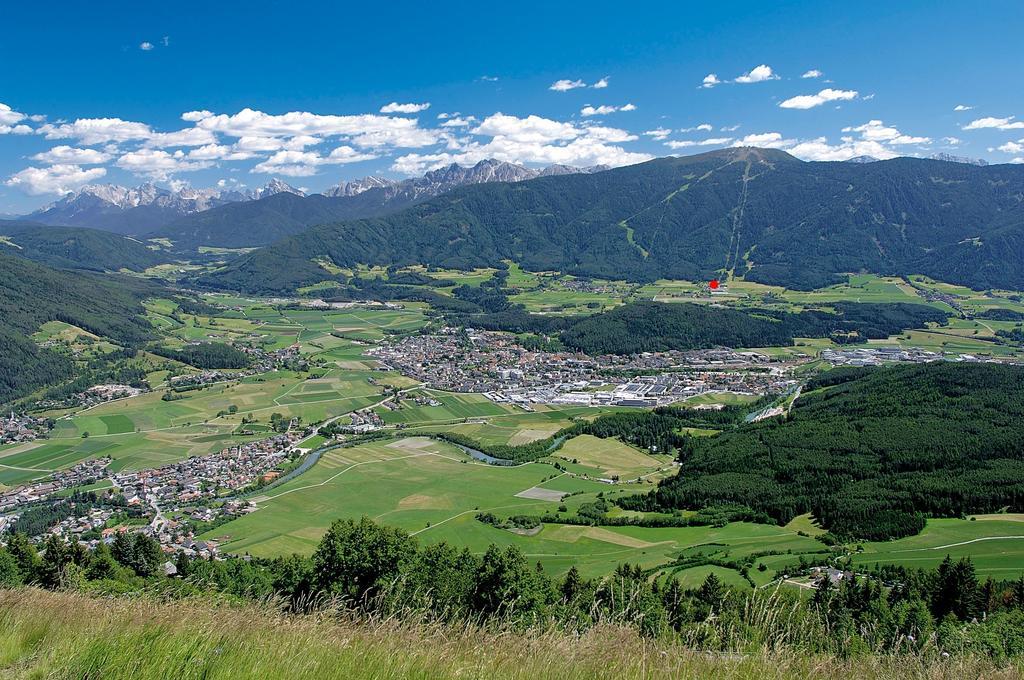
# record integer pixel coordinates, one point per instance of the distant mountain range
(142, 209)
(234, 218)
(759, 213)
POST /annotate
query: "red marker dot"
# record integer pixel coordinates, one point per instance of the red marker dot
(713, 284)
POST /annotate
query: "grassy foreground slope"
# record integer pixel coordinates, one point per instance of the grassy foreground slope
(64, 635)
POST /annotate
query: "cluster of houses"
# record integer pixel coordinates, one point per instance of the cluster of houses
(876, 356)
(496, 365)
(22, 428)
(365, 420)
(203, 478)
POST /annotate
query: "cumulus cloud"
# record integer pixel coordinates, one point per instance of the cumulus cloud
(365, 130)
(604, 109)
(703, 127)
(952, 141)
(658, 134)
(19, 129)
(565, 85)
(1012, 147)
(91, 131)
(64, 154)
(767, 140)
(159, 164)
(877, 131)
(458, 122)
(219, 152)
(532, 139)
(813, 73)
(729, 128)
(306, 163)
(56, 179)
(989, 122)
(395, 107)
(146, 46)
(601, 84)
(962, 107)
(809, 101)
(758, 74)
(710, 80)
(820, 150)
(685, 143)
(8, 116)
(187, 137)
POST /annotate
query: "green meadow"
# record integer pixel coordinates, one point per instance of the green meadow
(432, 490)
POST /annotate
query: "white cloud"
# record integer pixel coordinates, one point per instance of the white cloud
(952, 141)
(809, 101)
(703, 127)
(767, 140)
(395, 107)
(604, 109)
(15, 130)
(565, 85)
(8, 116)
(489, 79)
(365, 130)
(962, 107)
(710, 80)
(1012, 147)
(1007, 123)
(146, 46)
(813, 73)
(729, 128)
(758, 74)
(158, 164)
(877, 131)
(685, 143)
(193, 116)
(458, 122)
(658, 134)
(306, 163)
(56, 179)
(71, 155)
(1019, 159)
(219, 152)
(820, 150)
(187, 137)
(532, 139)
(91, 131)
(601, 84)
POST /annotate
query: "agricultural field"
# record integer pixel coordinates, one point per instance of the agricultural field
(146, 431)
(609, 458)
(434, 491)
(994, 542)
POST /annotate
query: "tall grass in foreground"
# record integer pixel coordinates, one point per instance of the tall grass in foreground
(70, 635)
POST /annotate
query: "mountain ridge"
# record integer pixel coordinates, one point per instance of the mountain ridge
(757, 213)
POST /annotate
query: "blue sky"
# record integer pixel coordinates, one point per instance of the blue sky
(238, 93)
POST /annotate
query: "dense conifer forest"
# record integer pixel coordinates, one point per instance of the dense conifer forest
(870, 452)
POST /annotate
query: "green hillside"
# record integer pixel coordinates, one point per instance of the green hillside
(759, 213)
(870, 452)
(76, 247)
(32, 294)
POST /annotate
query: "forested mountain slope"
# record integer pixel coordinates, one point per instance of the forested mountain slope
(76, 247)
(870, 452)
(760, 213)
(31, 294)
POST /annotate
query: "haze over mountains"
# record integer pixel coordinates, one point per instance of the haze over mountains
(760, 213)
